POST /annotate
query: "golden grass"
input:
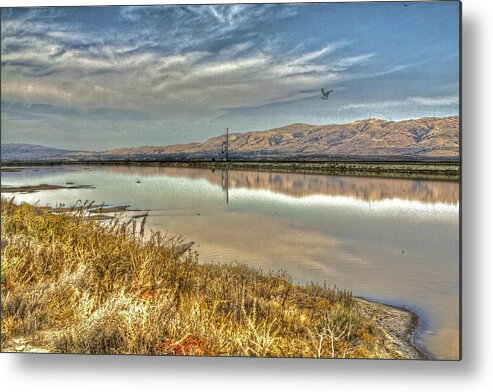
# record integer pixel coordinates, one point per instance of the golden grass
(74, 285)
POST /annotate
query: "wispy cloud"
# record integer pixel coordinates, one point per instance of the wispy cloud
(29, 111)
(408, 101)
(193, 27)
(436, 101)
(57, 63)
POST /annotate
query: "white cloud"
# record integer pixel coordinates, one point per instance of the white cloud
(35, 92)
(408, 101)
(436, 101)
(57, 64)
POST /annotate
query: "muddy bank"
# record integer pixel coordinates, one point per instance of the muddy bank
(40, 187)
(398, 324)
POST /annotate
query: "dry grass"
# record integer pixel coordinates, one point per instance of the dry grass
(73, 285)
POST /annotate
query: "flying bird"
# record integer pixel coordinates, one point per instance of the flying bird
(325, 95)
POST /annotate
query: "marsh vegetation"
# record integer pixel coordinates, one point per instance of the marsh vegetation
(74, 285)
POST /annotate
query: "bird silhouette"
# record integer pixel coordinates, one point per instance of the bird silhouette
(325, 95)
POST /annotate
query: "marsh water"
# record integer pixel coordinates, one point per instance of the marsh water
(391, 240)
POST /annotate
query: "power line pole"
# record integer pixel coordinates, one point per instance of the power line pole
(225, 183)
(227, 186)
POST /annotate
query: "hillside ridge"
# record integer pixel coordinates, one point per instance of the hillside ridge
(420, 138)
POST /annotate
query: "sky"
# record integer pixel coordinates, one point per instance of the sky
(95, 78)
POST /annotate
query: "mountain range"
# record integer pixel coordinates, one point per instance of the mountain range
(371, 138)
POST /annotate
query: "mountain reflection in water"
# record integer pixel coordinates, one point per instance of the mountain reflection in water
(300, 185)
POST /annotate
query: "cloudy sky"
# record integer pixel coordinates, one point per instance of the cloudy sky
(105, 77)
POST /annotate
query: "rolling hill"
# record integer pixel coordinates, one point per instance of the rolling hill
(371, 138)
(30, 152)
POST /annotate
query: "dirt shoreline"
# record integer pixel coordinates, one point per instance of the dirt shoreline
(398, 323)
(419, 170)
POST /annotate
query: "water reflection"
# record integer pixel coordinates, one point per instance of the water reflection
(300, 185)
(389, 239)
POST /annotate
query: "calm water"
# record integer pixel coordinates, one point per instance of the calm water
(396, 241)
